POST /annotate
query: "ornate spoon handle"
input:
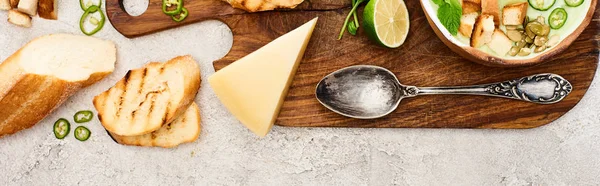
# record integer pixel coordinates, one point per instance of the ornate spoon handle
(539, 88)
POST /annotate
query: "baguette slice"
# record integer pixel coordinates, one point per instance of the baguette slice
(184, 129)
(19, 19)
(28, 7)
(263, 5)
(483, 30)
(45, 72)
(150, 97)
(514, 14)
(48, 9)
(14, 3)
(5, 5)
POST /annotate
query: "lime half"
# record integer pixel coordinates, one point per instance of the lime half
(386, 22)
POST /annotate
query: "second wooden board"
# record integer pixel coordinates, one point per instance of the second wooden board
(423, 60)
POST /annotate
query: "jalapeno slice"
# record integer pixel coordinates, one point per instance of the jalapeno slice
(61, 129)
(85, 6)
(181, 16)
(83, 116)
(573, 3)
(541, 5)
(166, 4)
(82, 133)
(557, 18)
(92, 9)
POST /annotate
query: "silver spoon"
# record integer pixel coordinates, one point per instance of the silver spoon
(367, 92)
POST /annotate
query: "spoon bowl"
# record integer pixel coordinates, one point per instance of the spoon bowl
(361, 91)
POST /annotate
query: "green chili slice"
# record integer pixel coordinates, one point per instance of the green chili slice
(82, 133)
(181, 16)
(86, 6)
(90, 10)
(573, 3)
(62, 127)
(83, 116)
(557, 18)
(168, 3)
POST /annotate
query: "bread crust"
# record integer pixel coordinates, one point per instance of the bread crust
(47, 9)
(186, 66)
(163, 137)
(27, 98)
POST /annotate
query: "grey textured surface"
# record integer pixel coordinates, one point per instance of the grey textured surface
(564, 152)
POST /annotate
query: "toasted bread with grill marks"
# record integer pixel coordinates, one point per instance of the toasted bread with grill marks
(150, 97)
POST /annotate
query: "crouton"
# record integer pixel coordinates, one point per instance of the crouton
(490, 7)
(48, 9)
(470, 7)
(478, 2)
(28, 6)
(5, 5)
(466, 24)
(14, 3)
(18, 18)
(514, 14)
(483, 30)
(500, 43)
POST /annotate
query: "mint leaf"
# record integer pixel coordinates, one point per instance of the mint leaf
(450, 14)
(439, 2)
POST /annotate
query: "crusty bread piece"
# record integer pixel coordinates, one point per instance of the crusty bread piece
(467, 21)
(470, 7)
(514, 14)
(28, 7)
(184, 129)
(263, 5)
(19, 19)
(45, 72)
(500, 43)
(48, 9)
(5, 5)
(473, 1)
(14, 3)
(491, 7)
(150, 97)
(483, 30)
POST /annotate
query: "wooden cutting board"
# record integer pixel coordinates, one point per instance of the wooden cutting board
(423, 60)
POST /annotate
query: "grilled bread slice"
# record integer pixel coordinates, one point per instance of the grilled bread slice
(150, 97)
(263, 5)
(483, 30)
(45, 72)
(184, 129)
(19, 19)
(48, 9)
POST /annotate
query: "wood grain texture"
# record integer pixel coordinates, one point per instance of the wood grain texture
(154, 20)
(423, 60)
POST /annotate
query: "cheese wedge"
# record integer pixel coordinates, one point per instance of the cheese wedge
(253, 88)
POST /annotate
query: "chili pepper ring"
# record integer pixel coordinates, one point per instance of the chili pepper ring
(90, 10)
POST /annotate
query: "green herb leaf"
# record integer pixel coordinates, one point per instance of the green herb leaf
(354, 7)
(352, 28)
(439, 2)
(449, 14)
